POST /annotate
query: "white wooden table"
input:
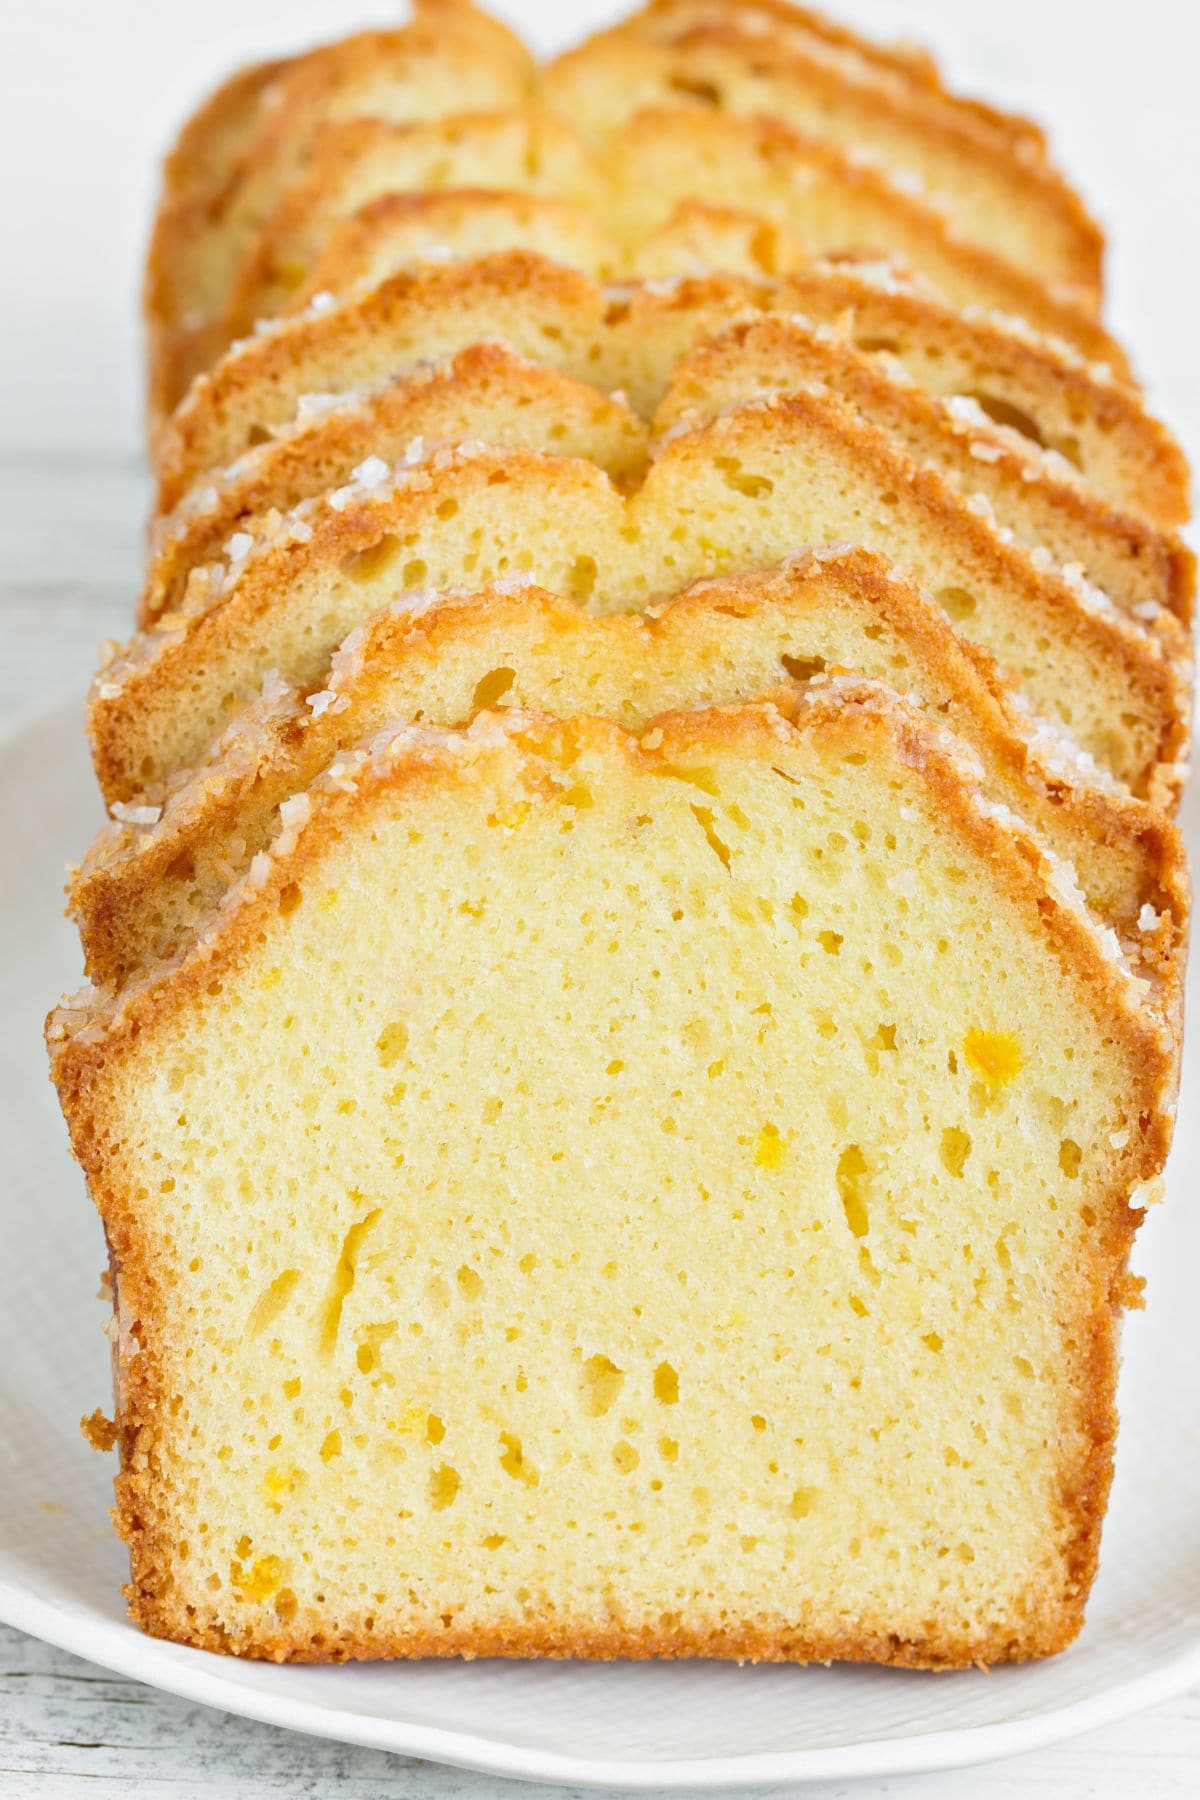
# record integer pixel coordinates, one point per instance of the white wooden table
(69, 555)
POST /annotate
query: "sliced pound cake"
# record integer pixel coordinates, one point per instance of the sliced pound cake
(489, 393)
(267, 167)
(589, 1196)
(635, 970)
(454, 224)
(630, 337)
(248, 143)
(460, 224)
(740, 493)
(486, 392)
(833, 202)
(353, 165)
(280, 100)
(1018, 205)
(158, 869)
(655, 160)
(1035, 494)
(905, 69)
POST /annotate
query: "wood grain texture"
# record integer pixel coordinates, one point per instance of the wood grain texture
(69, 1729)
(70, 543)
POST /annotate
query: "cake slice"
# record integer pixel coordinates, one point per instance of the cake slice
(832, 202)
(1024, 382)
(905, 68)
(1035, 494)
(1017, 205)
(158, 869)
(485, 392)
(740, 493)
(227, 130)
(457, 224)
(599, 1197)
(488, 393)
(1120, 551)
(656, 159)
(247, 144)
(356, 163)
(630, 337)
(454, 224)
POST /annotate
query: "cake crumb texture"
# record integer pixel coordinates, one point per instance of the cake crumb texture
(502, 1269)
(635, 965)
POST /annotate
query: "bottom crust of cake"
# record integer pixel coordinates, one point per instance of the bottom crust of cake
(779, 1641)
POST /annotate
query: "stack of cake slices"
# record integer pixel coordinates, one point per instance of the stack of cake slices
(635, 968)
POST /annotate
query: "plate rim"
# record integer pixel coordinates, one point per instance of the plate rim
(186, 1673)
(206, 1679)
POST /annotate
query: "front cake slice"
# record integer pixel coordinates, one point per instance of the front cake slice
(598, 1196)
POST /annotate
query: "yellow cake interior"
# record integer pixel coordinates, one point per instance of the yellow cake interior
(529, 1269)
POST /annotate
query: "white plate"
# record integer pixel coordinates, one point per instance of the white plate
(620, 1725)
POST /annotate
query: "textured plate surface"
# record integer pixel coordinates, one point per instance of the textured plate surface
(620, 1725)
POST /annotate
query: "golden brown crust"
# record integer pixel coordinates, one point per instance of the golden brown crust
(1126, 854)
(352, 162)
(249, 144)
(212, 142)
(1062, 403)
(257, 385)
(389, 233)
(198, 240)
(1019, 205)
(149, 696)
(152, 719)
(832, 202)
(560, 317)
(908, 65)
(836, 204)
(1149, 668)
(770, 1640)
(485, 391)
(1140, 568)
(220, 261)
(1037, 497)
(848, 722)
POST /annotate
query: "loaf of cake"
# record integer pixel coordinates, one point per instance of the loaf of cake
(635, 967)
(267, 171)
